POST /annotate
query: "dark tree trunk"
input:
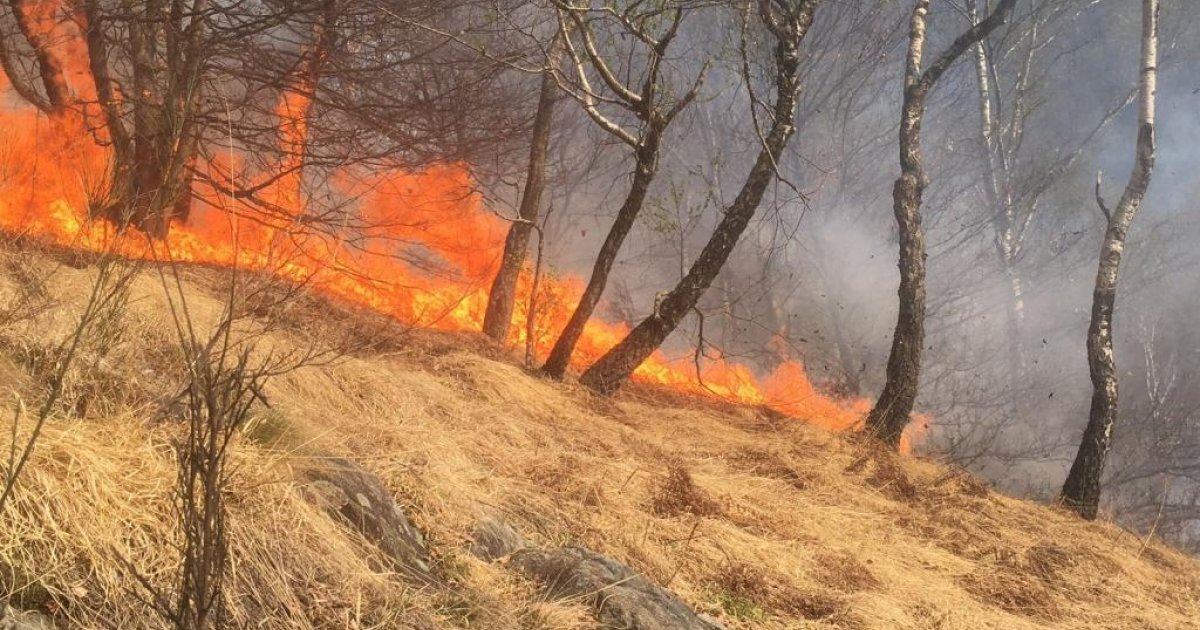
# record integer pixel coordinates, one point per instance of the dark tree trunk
(647, 165)
(498, 317)
(1081, 491)
(892, 410)
(49, 68)
(655, 108)
(615, 367)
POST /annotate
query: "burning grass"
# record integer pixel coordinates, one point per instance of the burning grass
(771, 526)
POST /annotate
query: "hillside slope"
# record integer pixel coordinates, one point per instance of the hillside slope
(755, 520)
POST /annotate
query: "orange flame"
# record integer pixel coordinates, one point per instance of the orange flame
(418, 246)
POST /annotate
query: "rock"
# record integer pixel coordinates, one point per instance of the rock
(623, 599)
(12, 619)
(358, 498)
(493, 538)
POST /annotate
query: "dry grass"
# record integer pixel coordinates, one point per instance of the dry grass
(760, 522)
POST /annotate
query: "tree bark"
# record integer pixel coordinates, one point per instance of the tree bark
(653, 106)
(1081, 491)
(151, 177)
(999, 143)
(893, 409)
(647, 165)
(497, 319)
(615, 367)
(50, 69)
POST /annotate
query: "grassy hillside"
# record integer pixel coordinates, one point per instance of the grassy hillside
(756, 520)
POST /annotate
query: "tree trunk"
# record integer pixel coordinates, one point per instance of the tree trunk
(1081, 491)
(50, 69)
(498, 317)
(647, 165)
(892, 410)
(997, 182)
(615, 367)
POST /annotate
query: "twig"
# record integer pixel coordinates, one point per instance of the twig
(1100, 198)
(531, 311)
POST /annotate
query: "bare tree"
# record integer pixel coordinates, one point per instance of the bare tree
(1081, 491)
(498, 317)
(152, 152)
(891, 412)
(653, 106)
(788, 23)
(1017, 174)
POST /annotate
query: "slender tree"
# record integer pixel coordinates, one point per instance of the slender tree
(651, 104)
(892, 410)
(498, 317)
(788, 23)
(1081, 492)
(1016, 178)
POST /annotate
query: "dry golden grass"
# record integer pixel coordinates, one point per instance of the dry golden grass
(759, 522)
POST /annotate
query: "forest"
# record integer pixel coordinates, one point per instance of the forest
(964, 229)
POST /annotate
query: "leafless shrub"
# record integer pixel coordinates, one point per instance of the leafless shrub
(106, 301)
(224, 371)
(678, 495)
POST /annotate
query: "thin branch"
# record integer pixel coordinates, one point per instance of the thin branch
(1100, 199)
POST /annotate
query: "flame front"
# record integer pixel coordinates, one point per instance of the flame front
(419, 246)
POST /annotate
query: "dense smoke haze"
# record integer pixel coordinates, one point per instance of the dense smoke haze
(815, 278)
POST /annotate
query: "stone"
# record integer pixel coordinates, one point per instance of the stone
(622, 599)
(493, 538)
(359, 499)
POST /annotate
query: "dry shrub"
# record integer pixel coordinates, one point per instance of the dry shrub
(886, 473)
(1155, 552)
(814, 605)
(843, 572)
(679, 495)
(769, 420)
(742, 592)
(962, 483)
(890, 479)
(745, 581)
(756, 587)
(1047, 561)
(1013, 592)
(763, 463)
(650, 564)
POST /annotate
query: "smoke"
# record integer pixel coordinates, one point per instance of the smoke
(818, 268)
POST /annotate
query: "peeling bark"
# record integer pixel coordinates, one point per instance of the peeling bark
(1081, 491)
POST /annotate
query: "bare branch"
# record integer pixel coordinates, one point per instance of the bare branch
(1100, 199)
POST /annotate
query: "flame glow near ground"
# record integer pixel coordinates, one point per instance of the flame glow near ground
(418, 246)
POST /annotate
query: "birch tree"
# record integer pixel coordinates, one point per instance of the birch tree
(1016, 177)
(1081, 491)
(892, 410)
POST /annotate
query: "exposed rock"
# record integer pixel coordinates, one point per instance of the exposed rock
(623, 599)
(359, 498)
(493, 538)
(12, 619)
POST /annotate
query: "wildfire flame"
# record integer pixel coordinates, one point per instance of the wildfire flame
(423, 247)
